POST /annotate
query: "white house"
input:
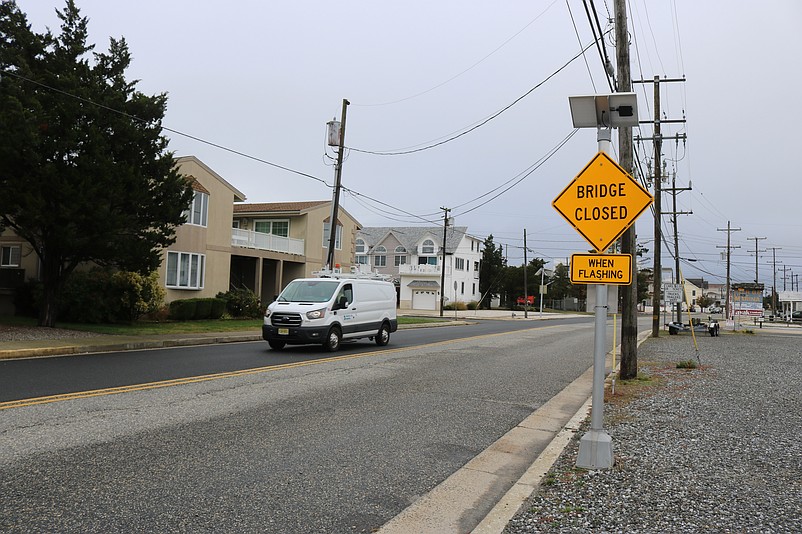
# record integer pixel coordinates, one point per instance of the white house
(413, 257)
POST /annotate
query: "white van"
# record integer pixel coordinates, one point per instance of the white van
(329, 310)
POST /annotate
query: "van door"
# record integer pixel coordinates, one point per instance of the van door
(347, 309)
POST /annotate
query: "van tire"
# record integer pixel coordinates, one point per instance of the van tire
(276, 345)
(383, 337)
(333, 339)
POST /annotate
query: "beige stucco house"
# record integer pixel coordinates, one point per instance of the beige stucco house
(277, 242)
(224, 244)
(198, 264)
(18, 262)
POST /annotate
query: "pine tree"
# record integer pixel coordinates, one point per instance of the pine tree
(490, 271)
(86, 175)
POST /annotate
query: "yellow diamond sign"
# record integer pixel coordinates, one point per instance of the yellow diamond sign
(602, 202)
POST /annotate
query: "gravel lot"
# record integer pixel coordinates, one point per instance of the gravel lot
(715, 449)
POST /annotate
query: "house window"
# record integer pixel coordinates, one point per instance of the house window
(338, 244)
(185, 270)
(10, 255)
(235, 223)
(462, 288)
(198, 210)
(400, 256)
(359, 247)
(427, 247)
(361, 260)
(459, 264)
(380, 256)
(279, 227)
(473, 289)
(476, 266)
(427, 260)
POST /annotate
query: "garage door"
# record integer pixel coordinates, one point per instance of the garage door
(424, 300)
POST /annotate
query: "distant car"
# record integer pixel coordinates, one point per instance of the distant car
(714, 309)
(797, 316)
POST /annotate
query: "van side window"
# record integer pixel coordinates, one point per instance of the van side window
(347, 294)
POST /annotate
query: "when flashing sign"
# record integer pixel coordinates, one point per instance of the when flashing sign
(614, 269)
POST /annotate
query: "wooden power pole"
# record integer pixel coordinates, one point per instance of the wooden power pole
(629, 294)
(729, 247)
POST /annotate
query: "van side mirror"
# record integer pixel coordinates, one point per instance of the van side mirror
(342, 302)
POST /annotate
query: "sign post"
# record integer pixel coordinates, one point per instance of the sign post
(601, 203)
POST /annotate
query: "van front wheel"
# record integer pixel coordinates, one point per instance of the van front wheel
(333, 339)
(276, 345)
(383, 337)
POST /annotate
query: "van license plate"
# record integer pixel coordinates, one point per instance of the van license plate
(283, 331)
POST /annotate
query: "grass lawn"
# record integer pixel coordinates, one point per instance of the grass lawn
(144, 328)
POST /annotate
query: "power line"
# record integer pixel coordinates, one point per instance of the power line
(481, 123)
(502, 45)
(165, 128)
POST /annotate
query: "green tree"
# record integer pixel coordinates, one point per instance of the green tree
(490, 271)
(644, 279)
(560, 287)
(85, 174)
(513, 285)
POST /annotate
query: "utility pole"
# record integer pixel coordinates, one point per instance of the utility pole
(786, 268)
(335, 202)
(677, 278)
(774, 282)
(526, 292)
(443, 263)
(657, 138)
(729, 247)
(658, 235)
(756, 239)
(629, 294)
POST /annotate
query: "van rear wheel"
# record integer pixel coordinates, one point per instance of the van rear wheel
(383, 337)
(333, 339)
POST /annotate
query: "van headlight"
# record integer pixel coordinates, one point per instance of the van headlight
(316, 314)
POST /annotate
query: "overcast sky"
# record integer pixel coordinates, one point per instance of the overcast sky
(263, 77)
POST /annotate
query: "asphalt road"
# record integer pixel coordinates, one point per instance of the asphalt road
(341, 445)
(39, 377)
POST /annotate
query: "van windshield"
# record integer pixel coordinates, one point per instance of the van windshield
(309, 291)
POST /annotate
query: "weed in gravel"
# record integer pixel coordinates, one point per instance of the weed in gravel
(687, 364)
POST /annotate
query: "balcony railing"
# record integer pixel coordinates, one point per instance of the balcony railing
(421, 269)
(262, 241)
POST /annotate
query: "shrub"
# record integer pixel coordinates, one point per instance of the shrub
(242, 303)
(86, 297)
(218, 308)
(472, 305)
(136, 295)
(203, 309)
(183, 310)
(107, 296)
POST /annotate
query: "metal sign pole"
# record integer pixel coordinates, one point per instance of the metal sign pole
(596, 445)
